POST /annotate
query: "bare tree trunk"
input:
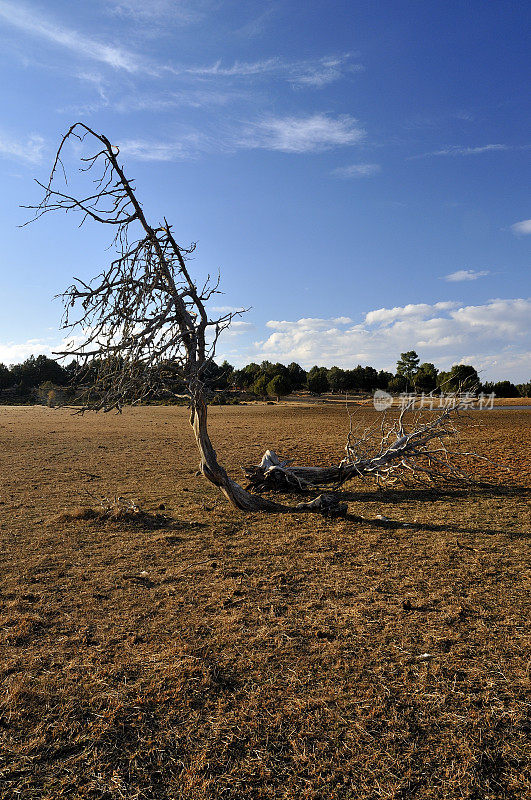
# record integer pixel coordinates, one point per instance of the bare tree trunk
(239, 497)
(143, 321)
(215, 473)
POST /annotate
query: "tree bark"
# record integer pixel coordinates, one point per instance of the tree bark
(409, 451)
(212, 470)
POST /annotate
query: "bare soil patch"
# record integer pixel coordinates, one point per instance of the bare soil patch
(188, 650)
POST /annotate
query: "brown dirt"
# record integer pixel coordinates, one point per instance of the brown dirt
(187, 650)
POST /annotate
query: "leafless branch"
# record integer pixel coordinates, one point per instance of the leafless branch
(143, 320)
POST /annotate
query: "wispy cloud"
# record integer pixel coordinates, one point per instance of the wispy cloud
(287, 134)
(237, 328)
(470, 151)
(97, 81)
(29, 151)
(522, 228)
(456, 150)
(323, 71)
(239, 69)
(491, 336)
(311, 73)
(422, 121)
(466, 275)
(30, 22)
(191, 98)
(309, 323)
(127, 102)
(302, 134)
(257, 25)
(225, 309)
(356, 171)
(186, 147)
(314, 73)
(156, 10)
(102, 88)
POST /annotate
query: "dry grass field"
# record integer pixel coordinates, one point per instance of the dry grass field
(192, 651)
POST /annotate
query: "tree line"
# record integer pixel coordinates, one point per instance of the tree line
(24, 381)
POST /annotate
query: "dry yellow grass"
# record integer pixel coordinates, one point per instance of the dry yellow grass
(191, 651)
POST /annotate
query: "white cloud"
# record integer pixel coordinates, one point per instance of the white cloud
(356, 170)
(323, 72)
(314, 73)
(29, 151)
(29, 21)
(240, 69)
(308, 323)
(289, 135)
(417, 310)
(16, 352)
(97, 81)
(493, 336)
(237, 328)
(456, 150)
(466, 275)
(155, 10)
(470, 151)
(522, 228)
(498, 318)
(192, 98)
(225, 309)
(302, 134)
(186, 147)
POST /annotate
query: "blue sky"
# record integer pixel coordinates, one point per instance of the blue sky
(358, 171)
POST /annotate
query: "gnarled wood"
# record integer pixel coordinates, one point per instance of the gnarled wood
(410, 451)
(211, 469)
(143, 321)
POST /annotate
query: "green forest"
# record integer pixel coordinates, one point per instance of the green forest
(34, 379)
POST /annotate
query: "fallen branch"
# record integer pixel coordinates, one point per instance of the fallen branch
(419, 453)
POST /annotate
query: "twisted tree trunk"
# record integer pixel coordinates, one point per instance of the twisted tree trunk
(142, 322)
(240, 498)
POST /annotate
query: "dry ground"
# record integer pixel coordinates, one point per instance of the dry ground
(198, 652)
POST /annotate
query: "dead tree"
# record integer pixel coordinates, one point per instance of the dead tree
(143, 316)
(394, 455)
(143, 320)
